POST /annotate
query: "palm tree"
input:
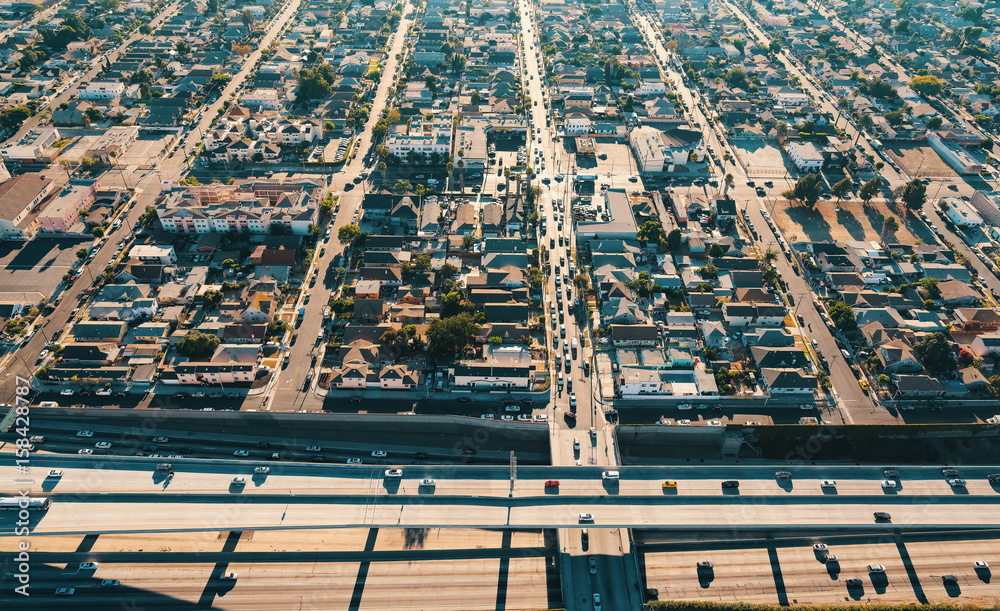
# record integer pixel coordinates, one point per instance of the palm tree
(382, 167)
(889, 226)
(451, 170)
(728, 180)
(768, 257)
(506, 178)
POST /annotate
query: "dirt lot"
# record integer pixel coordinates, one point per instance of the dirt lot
(851, 220)
(920, 160)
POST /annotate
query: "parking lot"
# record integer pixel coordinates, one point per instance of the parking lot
(793, 573)
(920, 161)
(38, 265)
(761, 159)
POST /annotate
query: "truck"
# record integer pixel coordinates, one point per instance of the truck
(574, 345)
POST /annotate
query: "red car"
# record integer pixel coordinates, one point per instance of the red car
(552, 483)
(571, 415)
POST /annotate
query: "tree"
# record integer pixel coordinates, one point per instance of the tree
(145, 29)
(448, 271)
(651, 231)
(934, 123)
(927, 85)
(197, 345)
(842, 188)
(914, 194)
(82, 253)
(869, 190)
(342, 305)
(807, 189)
(72, 28)
(449, 336)
(889, 226)
(182, 47)
(212, 297)
(843, 316)
(247, 17)
(15, 116)
(348, 234)
(935, 353)
(674, 240)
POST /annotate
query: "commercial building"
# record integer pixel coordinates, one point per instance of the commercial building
(662, 151)
(19, 198)
(101, 90)
(806, 156)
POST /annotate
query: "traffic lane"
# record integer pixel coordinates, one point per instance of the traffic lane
(165, 516)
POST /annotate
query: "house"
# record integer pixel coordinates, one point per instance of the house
(986, 344)
(753, 314)
(917, 386)
(662, 151)
(101, 90)
(955, 293)
(806, 156)
(787, 381)
(896, 356)
(633, 381)
(20, 196)
(501, 367)
(153, 253)
(633, 335)
(976, 320)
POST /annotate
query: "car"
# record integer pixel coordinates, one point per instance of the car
(685, 406)
(828, 483)
(815, 343)
(956, 483)
(876, 568)
(882, 516)
(572, 400)
(230, 576)
(853, 583)
(950, 472)
(586, 517)
(239, 481)
(104, 392)
(318, 458)
(464, 400)
(980, 565)
(379, 454)
(597, 601)
(888, 484)
(488, 417)
(552, 483)
(65, 591)
(88, 566)
(161, 440)
(669, 484)
(354, 461)
(263, 444)
(714, 423)
(394, 473)
(428, 482)
(820, 547)
(593, 565)
(66, 393)
(55, 473)
(241, 453)
(891, 473)
(783, 475)
(949, 579)
(110, 582)
(262, 470)
(731, 483)
(684, 422)
(705, 565)
(102, 445)
(313, 449)
(85, 433)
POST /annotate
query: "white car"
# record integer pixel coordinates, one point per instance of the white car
(85, 433)
(828, 483)
(876, 568)
(55, 473)
(104, 392)
(354, 461)
(102, 445)
(239, 481)
(714, 423)
(161, 440)
(430, 483)
(379, 454)
(241, 453)
(394, 473)
(980, 565)
(684, 422)
(85, 451)
(313, 449)
(66, 393)
(88, 566)
(888, 484)
(685, 406)
(262, 470)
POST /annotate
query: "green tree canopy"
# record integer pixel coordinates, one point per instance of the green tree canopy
(198, 345)
(915, 194)
(449, 336)
(927, 84)
(842, 315)
(348, 234)
(935, 353)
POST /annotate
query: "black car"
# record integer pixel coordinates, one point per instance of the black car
(891, 473)
(950, 472)
(421, 455)
(464, 400)
(882, 516)
(263, 444)
(730, 483)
